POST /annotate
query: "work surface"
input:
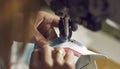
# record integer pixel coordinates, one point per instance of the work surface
(100, 42)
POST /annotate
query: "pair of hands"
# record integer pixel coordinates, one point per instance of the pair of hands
(48, 57)
(52, 58)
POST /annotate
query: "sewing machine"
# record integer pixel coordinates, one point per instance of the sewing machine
(89, 13)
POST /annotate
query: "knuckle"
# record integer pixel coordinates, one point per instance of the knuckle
(46, 48)
(68, 64)
(59, 47)
(48, 63)
(58, 62)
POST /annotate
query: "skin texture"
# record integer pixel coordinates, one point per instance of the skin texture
(43, 26)
(48, 57)
(51, 58)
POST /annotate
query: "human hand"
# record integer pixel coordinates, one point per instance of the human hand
(48, 57)
(44, 27)
(51, 58)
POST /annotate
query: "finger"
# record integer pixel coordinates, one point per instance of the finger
(47, 56)
(38, 21)
(53, 36)
(45, 21)
(50, 18)
(55, 22)
(69, 60)
(58, 56)
(39, 38)
(69, 56)
(47, 31)
(35, 59)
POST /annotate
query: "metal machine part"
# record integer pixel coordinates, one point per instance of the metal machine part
(89, 13)
(64, 28)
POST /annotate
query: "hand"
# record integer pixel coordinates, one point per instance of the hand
(45, 23)
(48, 57)
(52, 58)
